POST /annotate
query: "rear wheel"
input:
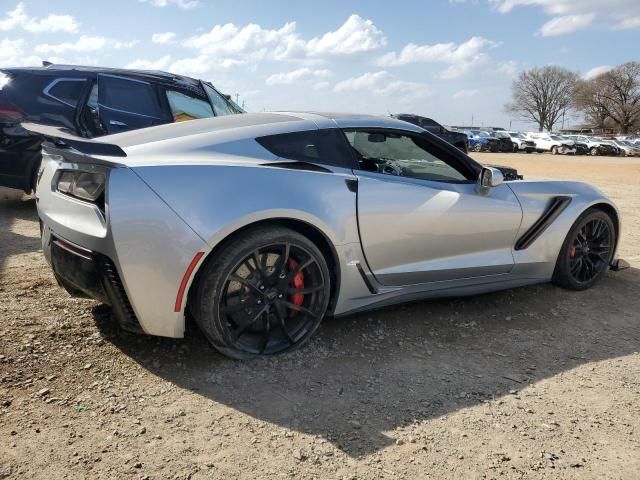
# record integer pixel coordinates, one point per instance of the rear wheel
(593, 151)
(477, 147)
(554, 150)
(587, 251)
(263, 294)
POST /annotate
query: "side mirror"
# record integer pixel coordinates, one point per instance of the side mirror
(490, 177)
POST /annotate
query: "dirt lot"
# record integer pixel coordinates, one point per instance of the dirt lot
(529, 383)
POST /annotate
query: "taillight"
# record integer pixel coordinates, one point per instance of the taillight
(87, 186)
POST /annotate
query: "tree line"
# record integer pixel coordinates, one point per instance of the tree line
(611, 100)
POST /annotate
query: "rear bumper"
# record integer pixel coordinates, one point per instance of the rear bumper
(87, 274)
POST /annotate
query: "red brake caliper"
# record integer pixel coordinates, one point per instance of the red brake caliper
(296, 282)
(572, 251)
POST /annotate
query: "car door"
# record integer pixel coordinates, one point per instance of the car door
(128, 104)
(420, 215)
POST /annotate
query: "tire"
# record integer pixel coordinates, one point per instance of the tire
(593, 151)
(247, 301)
(554, 150)
(583, 248)
(515, 148)
(477, 147)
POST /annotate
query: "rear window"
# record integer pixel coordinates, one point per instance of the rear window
(129, 96)
(67, 91)
(327, 147)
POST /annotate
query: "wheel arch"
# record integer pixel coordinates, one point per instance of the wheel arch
(613, 213)
(312, 232)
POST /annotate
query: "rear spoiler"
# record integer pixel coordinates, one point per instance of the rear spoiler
(63, 139)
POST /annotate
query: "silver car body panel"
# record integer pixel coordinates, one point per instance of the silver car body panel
(184, 188)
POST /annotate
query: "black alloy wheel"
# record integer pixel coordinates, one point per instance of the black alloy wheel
(270, 298)
(587, 251)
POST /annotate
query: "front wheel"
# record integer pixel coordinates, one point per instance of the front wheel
(593, 151)
(587, 251)
(264, 293)
(554, 150)
(477, 147)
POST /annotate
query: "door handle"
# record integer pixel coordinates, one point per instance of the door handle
(117, 123)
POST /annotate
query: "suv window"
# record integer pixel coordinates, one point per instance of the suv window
(128, 95)
(220, 104)
(66, 90)
(404, 155)
(326, 147)
(186, 107)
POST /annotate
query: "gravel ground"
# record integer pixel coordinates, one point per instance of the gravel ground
(534, 382)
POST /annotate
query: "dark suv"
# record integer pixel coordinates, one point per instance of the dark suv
(91, 102)
(457, 139)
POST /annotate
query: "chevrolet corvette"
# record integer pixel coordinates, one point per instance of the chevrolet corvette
(259, 225)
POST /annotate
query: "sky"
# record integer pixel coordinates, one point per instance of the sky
(451, 60)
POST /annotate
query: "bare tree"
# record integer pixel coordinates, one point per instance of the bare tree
(621, 92)
(542, 95)
(590, 97)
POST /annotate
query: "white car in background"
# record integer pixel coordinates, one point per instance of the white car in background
(522, 143)
(596, 146)
(546, 142)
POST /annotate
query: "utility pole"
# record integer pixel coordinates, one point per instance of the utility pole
(472, 119)
(237, 98)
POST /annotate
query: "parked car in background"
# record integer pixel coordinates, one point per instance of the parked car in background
(612, 144)
(521, 143)
(546, 142)
(457, 139)
(345, 213)
(595, 146)
(480, 141)
(506, 144)
(91, 102)
(628, 148)
(581, 148)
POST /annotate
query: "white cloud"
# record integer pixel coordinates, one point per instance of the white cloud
(382, 84)
(355, 36)
(616, 14)
(142, 64)
(595, 71)
(163, 38)
(12, 54)
(83, 44)
(461, 57)
(18, 18)
(567, 24)
(186, 4)
(297, 76)
(508, 68)
(198, 66)
(465, 94)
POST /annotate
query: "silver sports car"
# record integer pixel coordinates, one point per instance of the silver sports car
(259, 225)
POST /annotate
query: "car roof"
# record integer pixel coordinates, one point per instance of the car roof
(247, 125)
(149, 75)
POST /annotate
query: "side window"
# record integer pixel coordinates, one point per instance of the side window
(393, 153)
(326, 147)
(92, 101)
(185, 107)
(129, 96)
(430, 125)
(220, 104)
(66, 90)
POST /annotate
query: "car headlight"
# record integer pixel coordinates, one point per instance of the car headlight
(83, 185)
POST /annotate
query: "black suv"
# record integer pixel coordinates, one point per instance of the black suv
(457, 139)
(91, 102)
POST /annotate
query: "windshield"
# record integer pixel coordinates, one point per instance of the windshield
(222, 105)
(480, 134)
(556, 137)
(501, 134)
(516, 135)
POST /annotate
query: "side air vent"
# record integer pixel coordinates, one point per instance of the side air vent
(557, 206)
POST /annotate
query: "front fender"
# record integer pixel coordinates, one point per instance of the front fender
(535, 197)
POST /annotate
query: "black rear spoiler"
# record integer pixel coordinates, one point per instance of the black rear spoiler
(63, 139)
